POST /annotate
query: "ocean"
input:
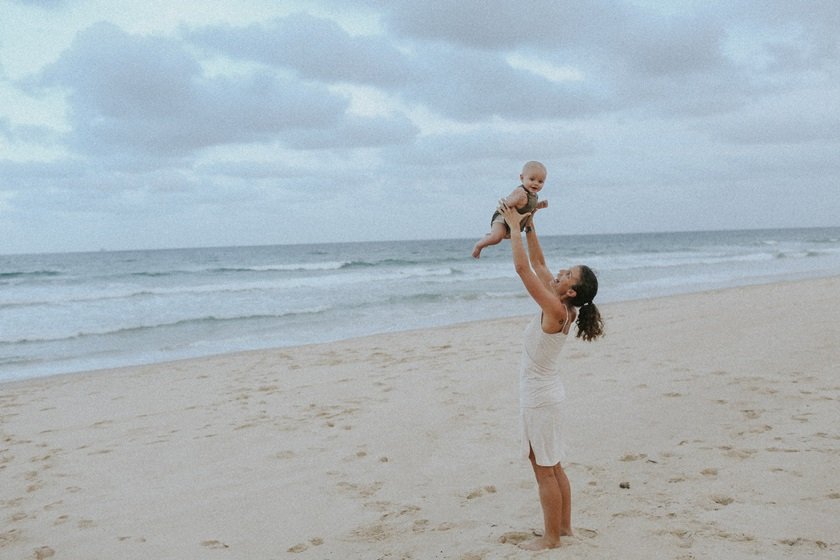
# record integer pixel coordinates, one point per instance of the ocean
(61, 313)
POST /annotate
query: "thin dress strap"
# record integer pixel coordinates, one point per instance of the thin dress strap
(567, 322)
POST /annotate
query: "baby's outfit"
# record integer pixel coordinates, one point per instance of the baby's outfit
(530, 206)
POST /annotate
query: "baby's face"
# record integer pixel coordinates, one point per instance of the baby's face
(533, 179)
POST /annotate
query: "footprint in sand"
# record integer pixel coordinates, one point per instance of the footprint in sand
(515, 537)
(586, 533)
(363, 490)
(684, 537)
(44, 552)
(490, 489)
(739, 453)
(300, 547)
(799, 541)
(633, 457)
(721, 499)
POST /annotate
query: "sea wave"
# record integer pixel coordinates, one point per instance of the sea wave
(291, 267)
(14, 274)
(797, 254)
(190, 322)
(48, 299)
(650, 260)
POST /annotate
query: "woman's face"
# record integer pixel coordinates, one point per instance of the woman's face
(565, 280)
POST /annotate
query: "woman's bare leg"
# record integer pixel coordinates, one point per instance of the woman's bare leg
(566, 492)
(556, 502)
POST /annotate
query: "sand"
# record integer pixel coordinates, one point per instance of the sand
(719, 413)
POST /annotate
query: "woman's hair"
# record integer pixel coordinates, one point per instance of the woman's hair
(589, 323)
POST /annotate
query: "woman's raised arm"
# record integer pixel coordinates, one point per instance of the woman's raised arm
(536, 286)
(535, 253)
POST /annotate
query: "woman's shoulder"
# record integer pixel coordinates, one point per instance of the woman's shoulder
(558, 315)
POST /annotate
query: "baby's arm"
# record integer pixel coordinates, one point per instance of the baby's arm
(516, 199)
(542, 204)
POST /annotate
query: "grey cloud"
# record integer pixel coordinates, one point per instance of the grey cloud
(33, 134)
(470, 85)
(315, 48)
(148, 94)
(672, 46)
(461, 83)
(454, 57)
(26, 174)
(246, 169)
(543, 142)
(46, 4)
(638, 58)
(815, 22)
(784, 129)
(355, 132)
(589, 33)
(500, 24)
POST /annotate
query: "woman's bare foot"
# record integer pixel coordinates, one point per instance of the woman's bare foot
(563, 532)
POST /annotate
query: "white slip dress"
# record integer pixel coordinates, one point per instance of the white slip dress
(541, 394)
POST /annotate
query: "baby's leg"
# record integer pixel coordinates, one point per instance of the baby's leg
(498, 231)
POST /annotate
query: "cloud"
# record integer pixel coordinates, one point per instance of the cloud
(465, 84)
(315, 48)
(545, 141)
(148, 95)
(355, 132)
(46, 4)
(471, 85)
(33, 174)
(502, 25)
(625, 57)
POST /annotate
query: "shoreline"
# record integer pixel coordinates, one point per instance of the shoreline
(717, 408)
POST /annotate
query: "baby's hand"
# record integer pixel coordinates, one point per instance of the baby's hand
(542, 204)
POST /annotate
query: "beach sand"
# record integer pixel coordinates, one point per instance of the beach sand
(721, 412)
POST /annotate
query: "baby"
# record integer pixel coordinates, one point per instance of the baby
(523, 198)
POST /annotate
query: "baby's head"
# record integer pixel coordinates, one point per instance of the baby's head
(533, 176)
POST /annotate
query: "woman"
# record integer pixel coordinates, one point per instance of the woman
(564, 299)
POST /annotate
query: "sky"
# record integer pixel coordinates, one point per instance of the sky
(156, 124)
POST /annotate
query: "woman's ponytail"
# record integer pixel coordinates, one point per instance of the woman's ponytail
(589, 323)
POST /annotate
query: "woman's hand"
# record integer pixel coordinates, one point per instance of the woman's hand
(511, 215)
